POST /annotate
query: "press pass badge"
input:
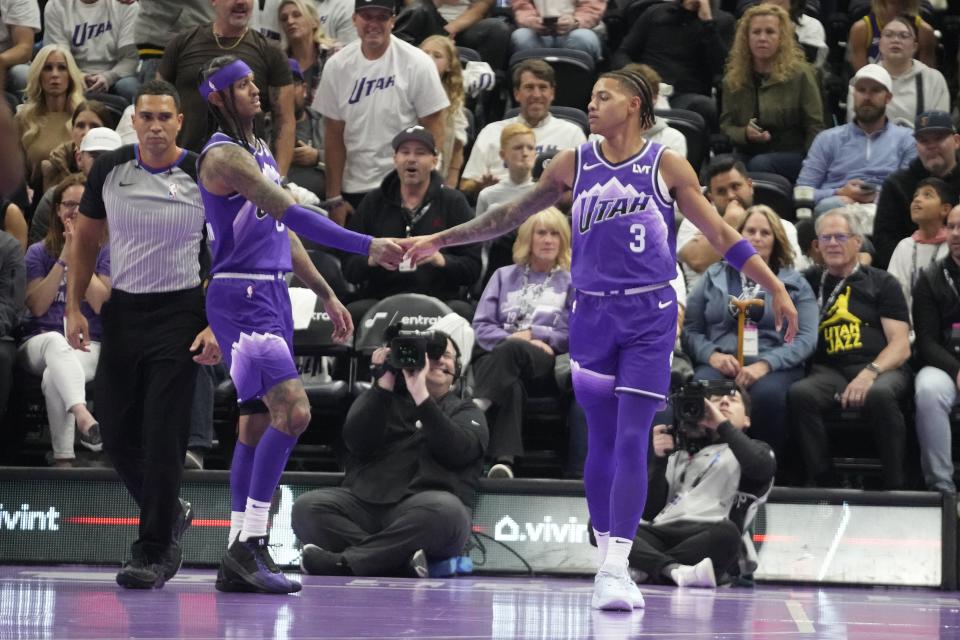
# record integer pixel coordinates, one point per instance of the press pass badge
(751, 341)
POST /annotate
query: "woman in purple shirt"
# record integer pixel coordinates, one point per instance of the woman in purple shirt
(44, 350)
(521, 321)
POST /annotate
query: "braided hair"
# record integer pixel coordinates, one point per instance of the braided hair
(636, 84)
(224, 118)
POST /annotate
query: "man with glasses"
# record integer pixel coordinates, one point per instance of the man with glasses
(415, 456)
(938, 152)
(862, 350)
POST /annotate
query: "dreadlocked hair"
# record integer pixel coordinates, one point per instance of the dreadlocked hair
(636, 84)
(224, 118)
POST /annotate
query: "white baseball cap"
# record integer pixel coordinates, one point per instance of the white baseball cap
(100, 139)
(876, 73)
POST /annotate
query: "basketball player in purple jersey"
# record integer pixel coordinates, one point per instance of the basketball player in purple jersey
(248, 215)
(624, 319)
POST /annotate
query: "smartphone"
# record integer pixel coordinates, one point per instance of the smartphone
(550, 21)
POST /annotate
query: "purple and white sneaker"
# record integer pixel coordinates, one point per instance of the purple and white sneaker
(249, 562)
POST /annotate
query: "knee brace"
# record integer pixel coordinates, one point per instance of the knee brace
(590, 386)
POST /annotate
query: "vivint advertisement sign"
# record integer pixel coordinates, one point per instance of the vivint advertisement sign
(550, 533)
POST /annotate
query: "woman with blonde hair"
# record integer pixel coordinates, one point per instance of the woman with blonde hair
(771, 365)
(444, 53)
(863, 41)
(521, 324)
(306, 41)
(772, 108)
(54, 89)
(62, 161)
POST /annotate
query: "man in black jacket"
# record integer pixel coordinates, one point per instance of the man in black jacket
(13, 283)
(687, 45)
(938, 153)
(412, 201)
(411, 479)
(936, 312)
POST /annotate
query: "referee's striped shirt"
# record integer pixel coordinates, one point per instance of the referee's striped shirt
(155, 219)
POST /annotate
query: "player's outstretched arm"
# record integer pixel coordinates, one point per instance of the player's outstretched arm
(498, 220)
(304, 269)
(683, 183)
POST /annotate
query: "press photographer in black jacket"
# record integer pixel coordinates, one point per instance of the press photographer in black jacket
(416, 452)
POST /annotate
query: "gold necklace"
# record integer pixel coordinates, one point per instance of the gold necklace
(234, 45)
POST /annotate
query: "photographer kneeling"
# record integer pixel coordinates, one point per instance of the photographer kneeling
(416, 453)
(689, 535)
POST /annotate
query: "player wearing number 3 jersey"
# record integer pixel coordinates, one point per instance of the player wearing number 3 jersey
(624, 318)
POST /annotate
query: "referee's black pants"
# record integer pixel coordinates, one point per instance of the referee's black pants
(144, 391)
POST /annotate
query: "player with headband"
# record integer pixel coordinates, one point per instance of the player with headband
(623, 323)
(248, 215)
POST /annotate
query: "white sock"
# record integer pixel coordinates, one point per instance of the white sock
(236, 525)
(255, 519)
(698, 575)
(618, 550)
(603, 539)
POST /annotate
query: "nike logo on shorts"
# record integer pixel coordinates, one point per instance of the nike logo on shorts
(664, 305)
(588, 167)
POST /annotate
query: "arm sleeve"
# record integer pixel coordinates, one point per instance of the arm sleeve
(928, 327)
(714, 47)
(319, 228)
(127, 60)
(756, 458)
(366, 422)
(486, 325)
(457, 439)
(631, 48)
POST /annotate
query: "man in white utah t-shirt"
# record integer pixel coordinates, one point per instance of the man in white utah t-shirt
(533, 89)
(370, 89)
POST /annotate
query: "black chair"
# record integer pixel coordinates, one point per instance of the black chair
(571, 114)
(468, 55)
(328, 264)
(776, 192)
(575, 73)
(115, 104)
(694, 129)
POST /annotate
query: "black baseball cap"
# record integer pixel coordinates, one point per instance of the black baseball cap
(415, 133)
(380, 4)
(934, 121)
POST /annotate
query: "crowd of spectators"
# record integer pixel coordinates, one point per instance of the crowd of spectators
(372, 112)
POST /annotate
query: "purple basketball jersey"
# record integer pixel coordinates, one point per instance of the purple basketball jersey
(242, 237)
(624, 234)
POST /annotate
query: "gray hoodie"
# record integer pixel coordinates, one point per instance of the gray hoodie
(902, 110)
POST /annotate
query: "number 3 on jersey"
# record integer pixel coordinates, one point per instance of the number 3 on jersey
(639, 233)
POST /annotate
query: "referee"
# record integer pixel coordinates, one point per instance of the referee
(154, 326)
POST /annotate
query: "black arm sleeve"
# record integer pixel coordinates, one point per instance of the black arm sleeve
(457, 439)
(756, 458)
(366, 423)
(631, 48)
(928, 327)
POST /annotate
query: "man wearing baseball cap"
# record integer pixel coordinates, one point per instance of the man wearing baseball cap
(369, 90)
(847, 164)
(937, 145)
(412, 200)
(307, 168)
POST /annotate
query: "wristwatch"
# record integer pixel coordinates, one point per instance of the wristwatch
(873, 366)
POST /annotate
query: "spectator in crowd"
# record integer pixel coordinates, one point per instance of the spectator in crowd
(307, 168)
(686, 44)
(415, 456)
(863, 41)
(100, 35)
(411, 201)
(89, 114)
(771, 98)
(465, 21)
(521, 325)
(916, 87)
(534, 86)
(862, 348)
(936, 314)
(932, 201)
(695, 514)
(19, 23)
(91, 147)
(938, 151)
(13, 222)
(661, 131)
(306, 41)
(371, 89)
(45, 351)
(12, 290)
(848, 163)
(158, 22)
(11, 155)
(730, 190)
(809, 31)
(188, 54)
(770, 364)
(336, 20)
(54, 89)
(443, 51)
(266, 20)
(568, 24)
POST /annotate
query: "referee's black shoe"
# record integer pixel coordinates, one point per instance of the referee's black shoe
(249, 562)
(183, 520)
(138, 573)
(173, 556)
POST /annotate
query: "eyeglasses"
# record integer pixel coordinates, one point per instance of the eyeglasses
(840, 238)
(70, 205)
(897, 35)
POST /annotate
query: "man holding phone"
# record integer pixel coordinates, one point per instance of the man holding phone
(847, 164)
(564, 24)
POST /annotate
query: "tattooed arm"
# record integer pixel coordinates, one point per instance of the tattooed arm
(500, 219)
(228, 168)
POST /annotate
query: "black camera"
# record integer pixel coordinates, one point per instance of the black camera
(688, 409)
(409, 349)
